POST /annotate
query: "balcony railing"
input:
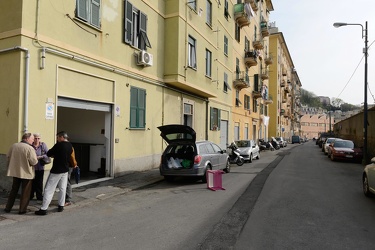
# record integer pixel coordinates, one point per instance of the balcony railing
(282, 83)
(250, 58)
(264, 28)
(264, 75)
(241, 81)
(258, 42)
(269, 100)
(242, 14)
(268, 60)
(253, 4)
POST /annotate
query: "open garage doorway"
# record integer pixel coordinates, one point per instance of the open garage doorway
(89, 127)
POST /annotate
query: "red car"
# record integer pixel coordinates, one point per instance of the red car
(345, 150)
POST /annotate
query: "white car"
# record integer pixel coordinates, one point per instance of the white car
(249, 150)
(368, 179)
(326, 144)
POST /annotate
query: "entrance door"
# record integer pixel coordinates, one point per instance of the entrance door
(223, 134)
(89, 126)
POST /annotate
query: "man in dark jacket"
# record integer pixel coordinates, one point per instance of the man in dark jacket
(63, 158)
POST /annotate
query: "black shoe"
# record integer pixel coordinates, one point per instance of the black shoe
(60, 209)
(6, 210)
(22, 212)
(41, 212)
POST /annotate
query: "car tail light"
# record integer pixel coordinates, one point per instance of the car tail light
(197, 159)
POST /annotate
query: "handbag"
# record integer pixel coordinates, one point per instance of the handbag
(77, 174)
(45, 161)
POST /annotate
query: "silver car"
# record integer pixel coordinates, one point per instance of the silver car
(186, 157)
(368, 179)
(249, 150)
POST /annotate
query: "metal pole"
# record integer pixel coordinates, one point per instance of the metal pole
(365, 103)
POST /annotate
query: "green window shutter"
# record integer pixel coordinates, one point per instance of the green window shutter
(141, 108)
(256, 82)
(211, 118)
(82, 9)
(143, 41)
(95, 13)
(128, 22)
(218, 118)
(133, 107)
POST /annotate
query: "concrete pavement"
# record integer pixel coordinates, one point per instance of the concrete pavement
(84, 194)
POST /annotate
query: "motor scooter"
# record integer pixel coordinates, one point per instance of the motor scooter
(274, 143)
(234, 155)
(265, 145)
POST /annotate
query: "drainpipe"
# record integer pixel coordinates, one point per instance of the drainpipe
(26, 96)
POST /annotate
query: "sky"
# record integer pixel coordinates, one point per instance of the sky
(328, 59)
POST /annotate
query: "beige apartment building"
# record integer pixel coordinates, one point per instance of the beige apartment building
(313, 125)
(251, 66)
(110, 72)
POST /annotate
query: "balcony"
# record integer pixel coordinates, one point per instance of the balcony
(282, 111)
(286, 114)
(282, 83)
(257, 94)
(253, 4)
(264, 75)
(258, 44)
(268, 100)
(284, 72)
(287, 89)
(268, 60)
(264, 28)
(241, 14)
(250, 58)
(241, 81)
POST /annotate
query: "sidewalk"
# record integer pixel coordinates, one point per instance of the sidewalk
(87, 194)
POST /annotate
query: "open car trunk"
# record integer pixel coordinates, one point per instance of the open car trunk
(179, 157)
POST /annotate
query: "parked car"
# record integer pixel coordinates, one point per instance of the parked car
(368, 179)
(184, 156)
(281, 141)
(249, 150)
(344, 150)
(296, 139)
(326, 144)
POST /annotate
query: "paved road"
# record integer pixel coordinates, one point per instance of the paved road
(310, 202)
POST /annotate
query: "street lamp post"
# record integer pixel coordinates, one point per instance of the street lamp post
(365, 121)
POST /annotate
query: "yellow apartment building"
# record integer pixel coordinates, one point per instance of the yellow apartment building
(282, 79)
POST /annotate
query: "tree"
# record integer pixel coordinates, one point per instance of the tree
(337, 102)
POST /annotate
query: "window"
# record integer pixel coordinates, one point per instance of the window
(246, 131)
(237, 34)
(226, 10)
(214, 119)
(238, 102)
(193, 4)
(208, 63)
(188, 112)
(237, 68)
(236, 131)
(137, 108)
(192, 60)
(89, 11)
(247, 44)
(209, 13)
(261, 108)
(255, 105)
(226, 85)
(247, 102)
(135, 27)
(226, 45)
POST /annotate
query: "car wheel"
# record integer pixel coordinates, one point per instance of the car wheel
(204, 177)
(332, 157)
(251, 158)
(366, 189)
(258, 157)
(227, 167)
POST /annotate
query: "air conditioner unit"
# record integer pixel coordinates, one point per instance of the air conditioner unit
(144, 58)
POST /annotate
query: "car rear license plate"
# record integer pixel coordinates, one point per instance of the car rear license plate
(349, 156)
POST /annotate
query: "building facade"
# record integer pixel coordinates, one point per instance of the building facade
(110, 72)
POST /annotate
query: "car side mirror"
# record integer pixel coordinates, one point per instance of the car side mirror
(223, 151)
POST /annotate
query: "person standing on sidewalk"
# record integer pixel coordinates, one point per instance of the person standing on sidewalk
(69, 191)
(41, 150)
(21, 160)
(58, 177)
